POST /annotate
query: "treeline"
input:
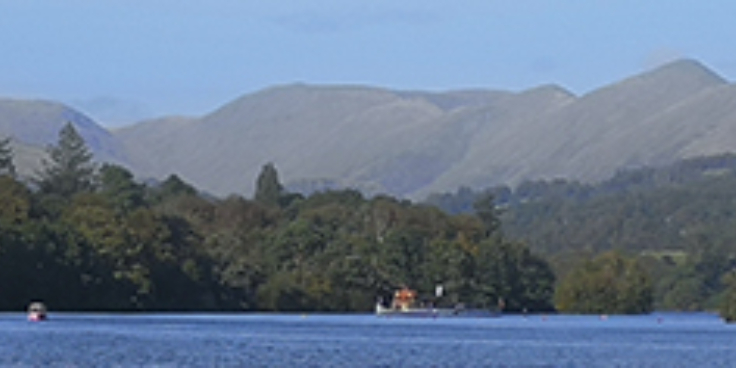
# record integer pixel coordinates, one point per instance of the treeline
(85, 237)
(646, 179)
(679, 221)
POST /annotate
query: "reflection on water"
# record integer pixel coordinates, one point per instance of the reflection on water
(170, 340)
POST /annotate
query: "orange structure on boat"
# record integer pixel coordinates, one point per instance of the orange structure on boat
(404, 299)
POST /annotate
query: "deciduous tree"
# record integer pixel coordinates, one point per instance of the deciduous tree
(610, 283)
(119, 187)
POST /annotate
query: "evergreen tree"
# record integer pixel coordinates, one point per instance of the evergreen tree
(268, 187)
(71, 169)
(6, 158)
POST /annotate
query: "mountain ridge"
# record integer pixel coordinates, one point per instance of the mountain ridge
(34, 124)
(413, 143)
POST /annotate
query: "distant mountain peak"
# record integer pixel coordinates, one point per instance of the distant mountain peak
(686, 68)
(549, 89)
(667, 83)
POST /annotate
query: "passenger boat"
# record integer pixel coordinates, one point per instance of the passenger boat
(404, 305)
(37, 312)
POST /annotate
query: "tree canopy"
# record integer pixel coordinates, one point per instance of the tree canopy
(122, 245)
(609, 283)
(677, 220)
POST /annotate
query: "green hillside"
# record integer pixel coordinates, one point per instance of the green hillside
(680, 219)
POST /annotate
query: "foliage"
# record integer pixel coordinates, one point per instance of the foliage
(268, 188)
(610, 283)
(513, 277)
(679, 219)
(727, 307)
(170, 188)
(15, 202)
(7, 167)
(122, 245)
(105, 242)
(88, 241)
(70, 169)
(119, 187)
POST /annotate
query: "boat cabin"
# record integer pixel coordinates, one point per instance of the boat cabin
(404, 299)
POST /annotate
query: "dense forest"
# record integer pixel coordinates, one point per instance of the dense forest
(83, 236)
(679, 221)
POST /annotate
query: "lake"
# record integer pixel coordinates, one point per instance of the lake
(264, 340)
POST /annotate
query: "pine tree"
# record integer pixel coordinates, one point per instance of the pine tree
(7, 167)
(268, 187)
(71, 169)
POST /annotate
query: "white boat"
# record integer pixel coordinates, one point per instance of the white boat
(415, 312)
(404, 305)
(37, 312)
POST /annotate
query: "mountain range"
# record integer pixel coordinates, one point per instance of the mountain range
(410, 143)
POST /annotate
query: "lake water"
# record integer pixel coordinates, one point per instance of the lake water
(205, 340)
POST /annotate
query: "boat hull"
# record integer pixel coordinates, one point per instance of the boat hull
(36, 317)
(382, 311)
(37, 312)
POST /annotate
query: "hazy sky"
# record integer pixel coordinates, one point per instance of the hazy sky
(126, 59)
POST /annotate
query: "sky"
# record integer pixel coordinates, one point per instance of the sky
(121, 61)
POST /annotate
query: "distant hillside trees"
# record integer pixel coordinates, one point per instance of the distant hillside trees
(677, 220)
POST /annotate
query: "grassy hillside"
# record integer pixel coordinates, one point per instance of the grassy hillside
(411, 144)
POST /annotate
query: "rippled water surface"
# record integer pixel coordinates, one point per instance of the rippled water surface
(204, 340)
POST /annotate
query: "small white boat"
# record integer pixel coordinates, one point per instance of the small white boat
(37, 312)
